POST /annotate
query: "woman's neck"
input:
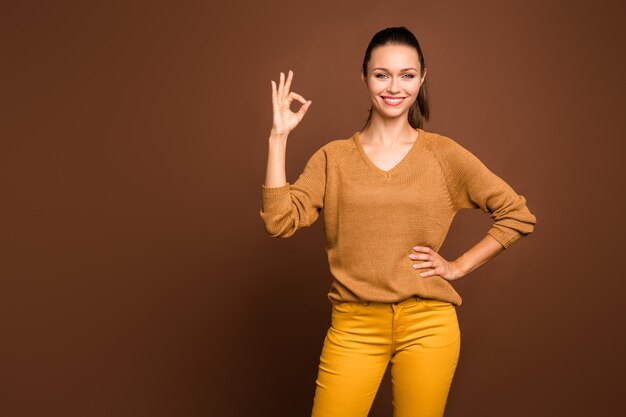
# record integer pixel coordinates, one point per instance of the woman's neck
(388, 132)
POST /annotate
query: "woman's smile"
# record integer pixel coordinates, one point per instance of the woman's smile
(392, 101)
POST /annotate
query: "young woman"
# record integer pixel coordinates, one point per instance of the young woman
(389, 194)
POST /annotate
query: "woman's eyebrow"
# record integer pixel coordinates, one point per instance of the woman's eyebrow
(403, 69)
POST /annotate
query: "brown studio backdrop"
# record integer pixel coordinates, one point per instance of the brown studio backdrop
(136, 275)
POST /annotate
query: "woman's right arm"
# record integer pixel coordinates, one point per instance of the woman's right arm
(275, 173)
(284, 121)
(289, 207)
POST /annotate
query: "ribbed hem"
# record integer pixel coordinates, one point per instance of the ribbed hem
(506, 239)
(272, 191)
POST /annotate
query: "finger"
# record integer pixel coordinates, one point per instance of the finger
(274, 101)
(281, 85)
(304, 108)
(429, 272)
(296, 95)
(288, 83)
(423, 265)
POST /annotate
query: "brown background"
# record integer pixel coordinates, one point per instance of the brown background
(136, 275)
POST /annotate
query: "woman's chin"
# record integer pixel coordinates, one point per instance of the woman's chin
(393, 114)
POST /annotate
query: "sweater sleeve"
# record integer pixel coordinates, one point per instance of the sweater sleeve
(290, 207)
(473, 185)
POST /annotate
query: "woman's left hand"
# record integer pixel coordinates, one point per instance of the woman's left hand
(431, 259)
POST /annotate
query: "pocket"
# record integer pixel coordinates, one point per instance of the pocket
(346, 307)
(432, 304)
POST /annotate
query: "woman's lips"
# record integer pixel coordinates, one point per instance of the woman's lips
(393, 101)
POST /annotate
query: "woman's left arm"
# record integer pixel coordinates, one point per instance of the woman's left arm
(472, 185)
(477, 255)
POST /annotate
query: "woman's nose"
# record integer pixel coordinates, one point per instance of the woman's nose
(394, 85)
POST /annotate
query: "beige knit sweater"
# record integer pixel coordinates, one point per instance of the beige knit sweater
(373, 218)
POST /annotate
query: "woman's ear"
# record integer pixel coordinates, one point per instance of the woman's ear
(424, 77)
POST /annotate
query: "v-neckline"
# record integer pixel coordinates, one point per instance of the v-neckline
(387, 174)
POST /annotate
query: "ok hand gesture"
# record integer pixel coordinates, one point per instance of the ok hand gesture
(284, 119)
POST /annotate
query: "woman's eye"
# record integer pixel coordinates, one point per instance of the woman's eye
(383, 75)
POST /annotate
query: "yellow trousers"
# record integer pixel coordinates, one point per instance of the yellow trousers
(421, 338)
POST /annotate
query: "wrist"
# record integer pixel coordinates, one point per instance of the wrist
(274, 135)
(461, 267)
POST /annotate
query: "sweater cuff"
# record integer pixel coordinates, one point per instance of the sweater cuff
(507, 238)
(274, 191)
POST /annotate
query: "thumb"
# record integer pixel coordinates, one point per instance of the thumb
(304, 108)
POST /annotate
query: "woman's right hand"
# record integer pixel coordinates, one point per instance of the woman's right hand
(285, 120)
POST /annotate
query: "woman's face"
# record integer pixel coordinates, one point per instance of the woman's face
(393, 79)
